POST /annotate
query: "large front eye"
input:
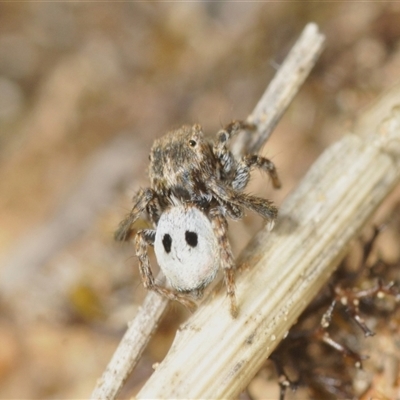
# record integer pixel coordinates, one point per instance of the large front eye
(192, 143)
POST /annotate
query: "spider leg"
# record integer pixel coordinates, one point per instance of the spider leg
(141, 200)
(232, 210)
(154, 210)
(259, 205)
(242, 174)
(144, 238)
(220, 226)
(223, 154)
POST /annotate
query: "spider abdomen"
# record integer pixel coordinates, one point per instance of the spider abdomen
(186, 248)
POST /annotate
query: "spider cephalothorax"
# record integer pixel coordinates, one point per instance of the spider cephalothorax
(189, 175)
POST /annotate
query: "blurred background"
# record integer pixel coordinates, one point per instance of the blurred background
(85, 88)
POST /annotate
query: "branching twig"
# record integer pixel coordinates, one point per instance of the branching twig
(266, 115)
(282, 89)
(128, 353)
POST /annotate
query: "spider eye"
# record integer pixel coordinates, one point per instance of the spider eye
(192, 143)
(191, 238)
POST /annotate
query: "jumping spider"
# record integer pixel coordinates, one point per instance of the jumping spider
(195, 183)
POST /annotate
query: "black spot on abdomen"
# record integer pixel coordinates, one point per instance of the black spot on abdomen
(191, 238)
(167, 241)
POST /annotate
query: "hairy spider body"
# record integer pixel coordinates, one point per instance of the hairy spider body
(190, 171)
(186, 248)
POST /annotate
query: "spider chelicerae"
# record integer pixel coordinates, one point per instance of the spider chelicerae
(196, 183)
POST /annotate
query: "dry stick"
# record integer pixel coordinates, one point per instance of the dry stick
(282, 89)
(271, 107)
(214, 356)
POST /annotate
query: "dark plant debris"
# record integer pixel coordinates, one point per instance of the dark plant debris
(326, 348)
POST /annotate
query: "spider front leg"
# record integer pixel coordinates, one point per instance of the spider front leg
(242, 174)
(220, 150)
(259, 205)
(226, 195)
(220, 226)
(141, 200)
(144, 238)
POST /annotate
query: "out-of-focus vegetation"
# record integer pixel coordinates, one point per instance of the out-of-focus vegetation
(84, 90)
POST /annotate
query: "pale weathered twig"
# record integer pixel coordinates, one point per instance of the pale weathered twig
(267, 113)
(282, 89)
(215, 356)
